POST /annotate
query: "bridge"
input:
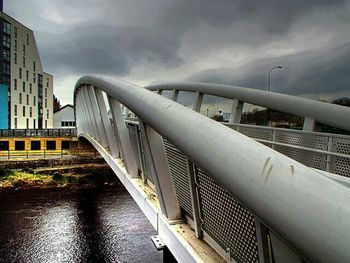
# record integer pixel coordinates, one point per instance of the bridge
(219, 192)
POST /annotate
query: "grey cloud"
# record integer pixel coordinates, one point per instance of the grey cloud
(273, 17)
(109, 50)
(309, 72)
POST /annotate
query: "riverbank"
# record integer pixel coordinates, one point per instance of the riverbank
(69, 176)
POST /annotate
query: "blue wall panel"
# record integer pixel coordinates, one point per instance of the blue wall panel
(3, 107)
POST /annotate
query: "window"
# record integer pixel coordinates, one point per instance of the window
(34, 77)
(30, 88)
(45, 93)
(6, 41)
(33, 65)
(6, 55)
(15, 84)
(46, 124)
(30, 112)
(15, 58)
(15, 124)
(65, 145)
(27, 123)
(24, 50)
(50, 145)
(27, 39)
(4, 145)
(20, 98)
(24, 86)
(7, 27)
(15, 110)
(20, 73)
(27, 75)
(35, 145)
(6, 68)
(27, 99)
(34, 101)
(15, 32)
(47, 83)
(34, 124)
(19, 145)
(47, 114)
(24, 111)
(45, 103)
(24, 62)
(16, 45)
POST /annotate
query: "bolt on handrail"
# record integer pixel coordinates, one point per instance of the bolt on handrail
(304, 208)
(323, 112)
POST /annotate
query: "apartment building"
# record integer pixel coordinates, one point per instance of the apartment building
(26, 91)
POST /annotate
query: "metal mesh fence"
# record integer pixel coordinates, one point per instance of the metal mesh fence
(179, 173)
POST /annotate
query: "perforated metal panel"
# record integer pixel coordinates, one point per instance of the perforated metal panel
(308, 158)
(226, 220)
(179, 173)
(340, 165)
(146, 161)
(252, 132)
(133, 134)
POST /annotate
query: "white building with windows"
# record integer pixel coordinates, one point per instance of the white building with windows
(26, 91)
(64, 117)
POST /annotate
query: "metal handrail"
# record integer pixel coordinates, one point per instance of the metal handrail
(327, 113)
(308, 211)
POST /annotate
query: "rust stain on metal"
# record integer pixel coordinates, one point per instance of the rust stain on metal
(291, 170)
(268, 174)
(265, 165)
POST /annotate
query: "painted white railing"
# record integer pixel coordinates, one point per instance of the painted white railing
(277, 205)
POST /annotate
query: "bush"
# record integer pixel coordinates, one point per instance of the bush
(57, 177)
(5, 172)
(27, 170)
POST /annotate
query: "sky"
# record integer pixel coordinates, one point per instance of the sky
(233, 42)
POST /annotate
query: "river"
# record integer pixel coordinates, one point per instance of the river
(64, 225)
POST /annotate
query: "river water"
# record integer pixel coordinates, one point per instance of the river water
(63, 225)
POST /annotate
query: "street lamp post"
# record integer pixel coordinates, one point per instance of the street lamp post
(269, 90)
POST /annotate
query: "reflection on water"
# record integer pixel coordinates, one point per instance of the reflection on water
(61, 225)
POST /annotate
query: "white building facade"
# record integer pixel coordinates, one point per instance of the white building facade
(64, 117)
(28, 103)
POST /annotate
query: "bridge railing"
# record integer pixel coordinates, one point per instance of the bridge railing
(247, 201)
(311, 110)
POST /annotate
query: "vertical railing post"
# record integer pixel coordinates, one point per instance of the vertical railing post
(329, 157)
(198, 102)
(175, 95)
(194, 199)
(84, 113)
(262, 241)
(96, 117)
(88, 115)
(310, 124)
(160, 170)
(113, 146)
(121, 132)
(236, 111)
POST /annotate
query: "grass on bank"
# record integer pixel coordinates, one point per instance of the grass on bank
(27, 177)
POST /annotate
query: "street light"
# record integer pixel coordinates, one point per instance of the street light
(269, 90)
(269, 77)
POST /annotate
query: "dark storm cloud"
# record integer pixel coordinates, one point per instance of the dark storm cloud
(109, 50)
(272, 16)
(312, 72)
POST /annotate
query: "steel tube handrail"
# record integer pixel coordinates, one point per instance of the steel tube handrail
(327, 113)
(308, 211)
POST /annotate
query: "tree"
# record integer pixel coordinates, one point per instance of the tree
(56, 103)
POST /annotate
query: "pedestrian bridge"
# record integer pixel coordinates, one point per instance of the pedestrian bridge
(230, 192)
